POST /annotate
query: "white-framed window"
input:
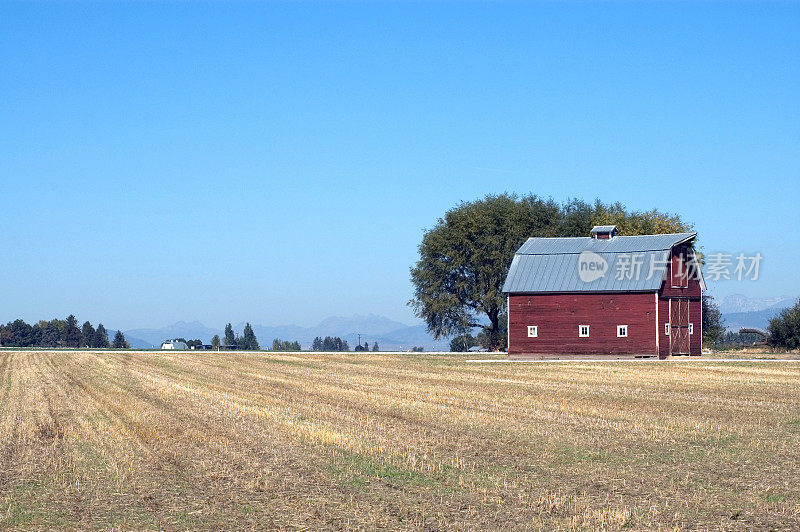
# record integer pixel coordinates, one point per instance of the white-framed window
(583, 331)
(622, 331)
(666, 329)
(533, 331)
(691, 328)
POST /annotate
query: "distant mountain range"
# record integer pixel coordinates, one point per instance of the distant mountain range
(390, 334)
(735, 303)
(742, 311)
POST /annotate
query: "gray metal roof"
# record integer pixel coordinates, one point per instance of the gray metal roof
(552, 264)
(604, 228)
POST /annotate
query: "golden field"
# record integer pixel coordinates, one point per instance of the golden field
(137, 440)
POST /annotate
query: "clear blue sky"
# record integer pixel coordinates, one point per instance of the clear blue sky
(278, 163)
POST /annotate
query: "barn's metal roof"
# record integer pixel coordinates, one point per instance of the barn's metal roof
(553, 264)
(604, 228)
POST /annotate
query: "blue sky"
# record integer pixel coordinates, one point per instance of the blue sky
(278, 163)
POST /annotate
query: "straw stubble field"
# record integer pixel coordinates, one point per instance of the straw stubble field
(190, 440)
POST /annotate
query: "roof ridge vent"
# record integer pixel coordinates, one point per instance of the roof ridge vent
(604, 232)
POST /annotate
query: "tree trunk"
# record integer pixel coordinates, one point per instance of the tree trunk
(494, 332)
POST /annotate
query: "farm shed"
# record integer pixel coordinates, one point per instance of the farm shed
(605, 295)
(174, 344)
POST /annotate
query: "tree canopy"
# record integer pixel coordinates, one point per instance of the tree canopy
(329, 344)
(248, 340)
(713, 323)
(282, 345)
(120, 342)
(230, 339)
(784, 329)
(465, 257)
(53, 333)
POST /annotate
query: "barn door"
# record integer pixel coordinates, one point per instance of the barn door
(679, 326)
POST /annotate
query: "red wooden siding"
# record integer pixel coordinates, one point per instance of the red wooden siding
(663, 318)
(671, 287)
(696, 317)
(691, 292)
(558, 316)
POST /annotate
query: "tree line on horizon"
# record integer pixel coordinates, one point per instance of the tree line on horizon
(59, 333)
(247, 341)
(334, 343)
(329, 344)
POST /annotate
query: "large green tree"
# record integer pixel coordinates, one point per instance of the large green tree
(465, 257)
(784, 329)
(713, 323)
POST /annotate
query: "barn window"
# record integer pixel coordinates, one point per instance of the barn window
(622, 331)
(666, 329)
(533, 331)
(691, 328)
(583, 331)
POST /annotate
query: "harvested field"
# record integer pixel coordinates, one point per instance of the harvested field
(310, 441)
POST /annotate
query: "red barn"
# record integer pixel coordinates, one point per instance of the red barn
(605, 295)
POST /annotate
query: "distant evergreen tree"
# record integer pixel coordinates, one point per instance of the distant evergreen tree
(50, 335)
(230, 338)
(72, 334)
(100, 337)
(248, 339)
(317, 344)
(120, 342)
(375, 347)
(215, 342)
(87, 335)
